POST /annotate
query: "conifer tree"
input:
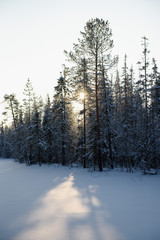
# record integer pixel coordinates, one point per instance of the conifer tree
(145, 94)
(2, 141)
(62, 122)
(155, 117)
(48, 133)
(96, 41)
(36, 132)
(12, 105)
(28, 110)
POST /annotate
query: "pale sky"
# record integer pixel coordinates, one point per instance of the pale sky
(34, 34)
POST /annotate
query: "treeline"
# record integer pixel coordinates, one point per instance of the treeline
(95, 119)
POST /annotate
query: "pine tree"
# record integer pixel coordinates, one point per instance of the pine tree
(145, 95)
(2, 140)
(13, 105)
(106, 117)
(80, 85)
(117, 95)
(96, 41)
(36, 140)
(28, 110)
(16, 113)
(48, 133)
(62, 122)
(155, 117)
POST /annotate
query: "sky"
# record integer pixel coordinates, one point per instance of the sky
(35, 33)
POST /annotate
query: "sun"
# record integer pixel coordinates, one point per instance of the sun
(78, 105)
(81, 95)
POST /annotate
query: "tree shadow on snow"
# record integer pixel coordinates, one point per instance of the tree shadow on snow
(65, 212)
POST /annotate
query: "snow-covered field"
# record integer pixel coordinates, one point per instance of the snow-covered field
(62, 203)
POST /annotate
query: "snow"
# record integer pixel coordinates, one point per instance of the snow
(62, 203)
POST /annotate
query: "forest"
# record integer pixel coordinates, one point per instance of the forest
(98, 118)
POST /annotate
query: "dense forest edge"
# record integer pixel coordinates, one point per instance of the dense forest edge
(98, 118)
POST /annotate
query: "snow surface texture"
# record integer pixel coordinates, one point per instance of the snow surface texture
(62, 203)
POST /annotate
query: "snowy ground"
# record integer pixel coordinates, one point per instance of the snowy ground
(62, 203)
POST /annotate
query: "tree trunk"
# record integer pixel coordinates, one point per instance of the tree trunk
(99, 157)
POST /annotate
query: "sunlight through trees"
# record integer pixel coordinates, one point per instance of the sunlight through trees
(97, 118)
